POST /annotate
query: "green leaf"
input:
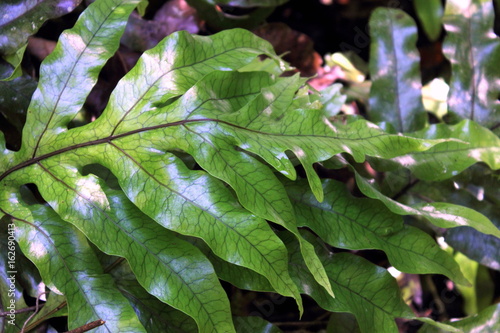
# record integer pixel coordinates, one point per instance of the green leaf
(257, 188)
(367, 291)
(395, 95)
(473, 50)
(268, 127)
(222, 110)
(474, 299)
(238, 276)
(487, 320)
(11, 289)
(14, 60)
(157, 256)
(447, 159)
(124, 183)
(332, 99)
(257, 247)
(154, 315)
(64, 85)
(21, 19)
(443, 215)
(430, 13)
(485, 249)
(346, 222)
(26, 273)
(142, 6)
(68, 266)
(15, 97)
(476, 187)
(363, 289)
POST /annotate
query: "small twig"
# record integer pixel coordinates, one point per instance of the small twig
(28, 309)
(494, 127)
(323, 316)
(37, 307)
(87, 327)
(405, 189)
(423, 197)
(300, 323)
(114, 264)
(441, 308)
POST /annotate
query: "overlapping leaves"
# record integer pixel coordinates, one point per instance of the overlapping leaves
(345, 222)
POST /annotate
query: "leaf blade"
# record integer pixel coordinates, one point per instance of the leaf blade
(470, 40)
(155, 255)
(430, 14)
(68, 265)
(358, 285)
(70, 71)
(443, 215)
(395, 95)
(346, 222)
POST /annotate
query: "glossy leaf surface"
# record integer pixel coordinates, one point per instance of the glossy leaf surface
(15, 97)
(478, 188)
(21, 19)
(11, 291)
(485, 249)
(156, 256)
(68, 265)
(474, 51)
(346, 222)
(441, 214)
(64, 85)
(395, 95)
(154, 315)
(224, 109)
(473, 144)
(363, 289)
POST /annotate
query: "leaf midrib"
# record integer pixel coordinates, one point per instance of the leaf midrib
(171, 70)
(346, 288)
(396, 65)
(110, 138)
